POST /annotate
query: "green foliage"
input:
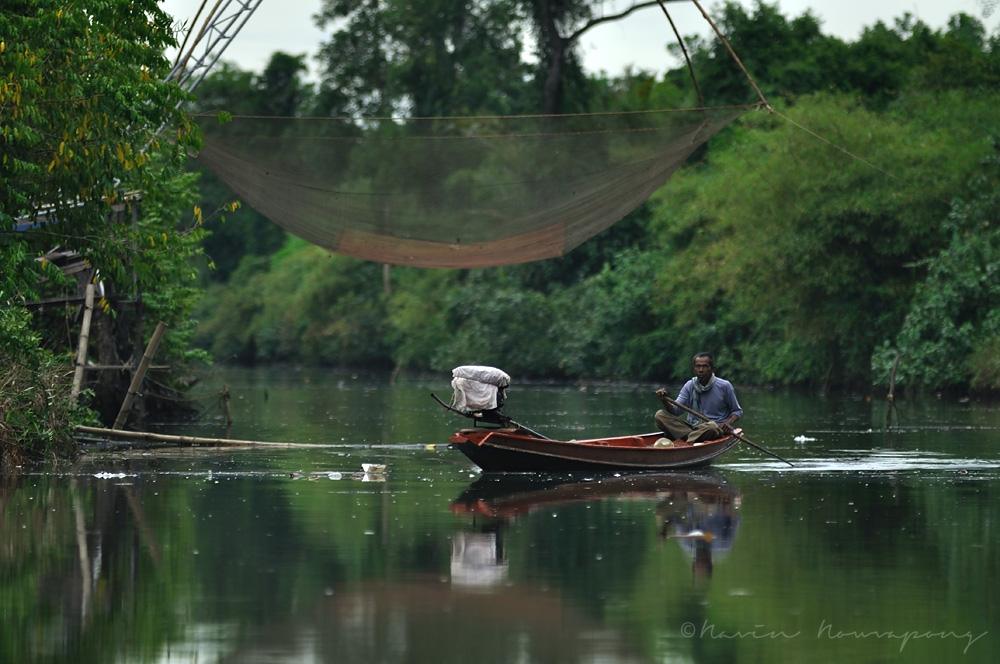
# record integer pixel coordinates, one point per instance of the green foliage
(82, 99)
(787, 57)
(496, 323)
(426, 58)
(415, 314)
(305, 305)
(82, 105)
(795, 260)
(952, 328)
(36, 414)
(792, 57)
(604, 324)
(280, 91)
(791, 260)
(164, 262)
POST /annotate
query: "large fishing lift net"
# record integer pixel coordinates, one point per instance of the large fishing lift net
(454, 192)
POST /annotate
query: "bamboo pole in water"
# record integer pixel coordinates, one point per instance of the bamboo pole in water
(140, 373)
(81, 352)
(189, 441)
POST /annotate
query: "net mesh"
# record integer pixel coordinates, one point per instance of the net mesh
(453, 192)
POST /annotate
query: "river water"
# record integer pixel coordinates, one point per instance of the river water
(878, 546)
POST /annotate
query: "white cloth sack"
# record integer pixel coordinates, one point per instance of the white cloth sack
(489, 375)
(476, 387)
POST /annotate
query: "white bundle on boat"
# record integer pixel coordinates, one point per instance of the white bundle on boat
(476, 387)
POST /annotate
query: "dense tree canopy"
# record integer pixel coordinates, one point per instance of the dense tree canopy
(426, 58)
(85, 115)
(81, 104)
(280, 90)
(792, 260)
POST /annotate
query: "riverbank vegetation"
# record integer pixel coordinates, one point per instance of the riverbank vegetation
(796, 263)
(86, 121)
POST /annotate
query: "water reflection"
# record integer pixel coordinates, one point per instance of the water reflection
(697, 510)
(703, 520)
(477, 559)
(254, 556)
(81, 560)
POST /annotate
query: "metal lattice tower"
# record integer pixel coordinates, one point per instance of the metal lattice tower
(209, 39)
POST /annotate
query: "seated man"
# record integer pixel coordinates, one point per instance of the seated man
(708, 394)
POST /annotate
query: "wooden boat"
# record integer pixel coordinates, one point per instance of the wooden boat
(516, 449)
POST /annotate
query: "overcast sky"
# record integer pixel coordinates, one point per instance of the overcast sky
(639, 40)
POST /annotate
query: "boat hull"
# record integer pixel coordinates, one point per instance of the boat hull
(502, 450)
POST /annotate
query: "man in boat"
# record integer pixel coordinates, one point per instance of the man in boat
(708, 394)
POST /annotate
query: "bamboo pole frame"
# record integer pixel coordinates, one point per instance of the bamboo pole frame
(81, 351)
(140, 374)
(191, 441)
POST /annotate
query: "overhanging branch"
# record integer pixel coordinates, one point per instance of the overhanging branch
(611, 17)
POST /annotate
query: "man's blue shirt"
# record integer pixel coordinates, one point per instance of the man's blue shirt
(717, 404)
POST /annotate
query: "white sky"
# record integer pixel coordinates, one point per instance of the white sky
(639, 40)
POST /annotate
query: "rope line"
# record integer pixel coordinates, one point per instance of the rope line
(687, 58)
(832, 144)
(767, 105)
(692, 109)
(732, 53)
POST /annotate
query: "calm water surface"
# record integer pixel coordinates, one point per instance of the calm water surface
(878, 546)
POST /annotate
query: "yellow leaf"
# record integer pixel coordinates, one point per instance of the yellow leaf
(197, 215)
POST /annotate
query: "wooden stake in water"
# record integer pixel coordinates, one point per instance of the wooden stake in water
(140, 373)
(81, 351)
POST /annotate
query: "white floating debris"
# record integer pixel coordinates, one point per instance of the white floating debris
(373, 467)
(804, 439)
(334, 476)
(111, 476)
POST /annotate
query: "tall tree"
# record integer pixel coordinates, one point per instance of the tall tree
(439, 57)
(785, 56)
(422, 57)
(558, 26)
(83, 98)
(85, 114)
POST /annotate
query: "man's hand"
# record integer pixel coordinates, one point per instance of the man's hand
(661, 392)
(726, 427)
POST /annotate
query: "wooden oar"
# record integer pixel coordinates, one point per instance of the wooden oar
(667, 401)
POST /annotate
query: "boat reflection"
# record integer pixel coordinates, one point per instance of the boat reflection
(698, 511)
(477, 559)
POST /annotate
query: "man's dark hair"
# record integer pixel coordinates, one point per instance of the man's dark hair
(711, 360)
